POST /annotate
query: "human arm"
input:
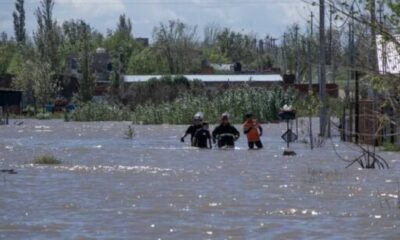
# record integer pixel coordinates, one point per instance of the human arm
(260, 129)
(186, 133)
(214, 135)
(246, 128)
(236, 133)
(209, 140)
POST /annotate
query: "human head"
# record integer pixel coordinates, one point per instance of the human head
(205, 125)
(198, 118)
(249, 116)
(225, 118)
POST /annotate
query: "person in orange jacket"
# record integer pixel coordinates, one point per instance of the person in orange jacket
(253, 130)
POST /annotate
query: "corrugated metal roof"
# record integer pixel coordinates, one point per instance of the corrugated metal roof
(212, 78)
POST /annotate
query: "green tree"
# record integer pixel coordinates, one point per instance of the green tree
(48, 36)
(19, 22)
(147, 62)
(7, 51)
(121, 43)
(177, 43)
(44, 85)
(124, 25)
(86, 84)
(48, 39)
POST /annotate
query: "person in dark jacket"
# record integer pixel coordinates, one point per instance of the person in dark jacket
(202, 137)
(192, 129)
(225, 133)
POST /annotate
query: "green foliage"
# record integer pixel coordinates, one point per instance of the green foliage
(45, 86)
(390, 147)
(46, 160)
(176, 44)
(87, 81)
(306, 105)
(7, 51)
(147, 61)
(23, 66)
(29, 111)
(265, 104)
(93, 111)
(43, 116)
(48, 36)
(15, 63)
(121, 43)
(162, 90)
(77, 34)
(19, 22)
(237, 46)
(215, 56)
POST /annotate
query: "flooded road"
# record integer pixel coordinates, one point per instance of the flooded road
(154, 187)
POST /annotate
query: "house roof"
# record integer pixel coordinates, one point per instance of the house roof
(212, 78)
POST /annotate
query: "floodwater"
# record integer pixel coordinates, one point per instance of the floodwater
(154, 187)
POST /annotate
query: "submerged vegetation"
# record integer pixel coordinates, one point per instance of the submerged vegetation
(93, 111)
(46, 160)
(264, 103)
(130, 132)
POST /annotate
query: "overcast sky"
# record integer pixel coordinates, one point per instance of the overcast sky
(258, 16)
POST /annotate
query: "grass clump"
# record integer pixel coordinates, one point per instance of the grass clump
(93, 111)
(390, 147)
(46, 159)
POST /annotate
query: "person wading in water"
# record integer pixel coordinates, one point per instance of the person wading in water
(225, 133)
(253, 130)
(202, 137)
(192, 129)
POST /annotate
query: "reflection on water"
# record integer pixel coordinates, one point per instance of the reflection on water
(154, 187)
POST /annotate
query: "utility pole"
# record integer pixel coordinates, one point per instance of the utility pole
(322, 73)
(357, 108)
(372, 57)
(350, 74)
(296, 39)
(274, 48)
(309, 74)
(373, 60)
(284, 54)
(331, 61)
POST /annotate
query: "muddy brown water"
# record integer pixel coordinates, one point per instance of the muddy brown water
(154, 187)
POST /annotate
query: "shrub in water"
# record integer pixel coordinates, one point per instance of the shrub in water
(129, 133)
(46, 159)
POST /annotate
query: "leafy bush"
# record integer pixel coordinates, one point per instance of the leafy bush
(390, 147)
(158, 91)
(46, 159)
(43, 116)
(93, 111)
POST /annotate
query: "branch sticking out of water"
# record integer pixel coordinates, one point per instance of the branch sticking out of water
(130, 132)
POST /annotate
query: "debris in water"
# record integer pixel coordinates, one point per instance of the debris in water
(9, 171)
